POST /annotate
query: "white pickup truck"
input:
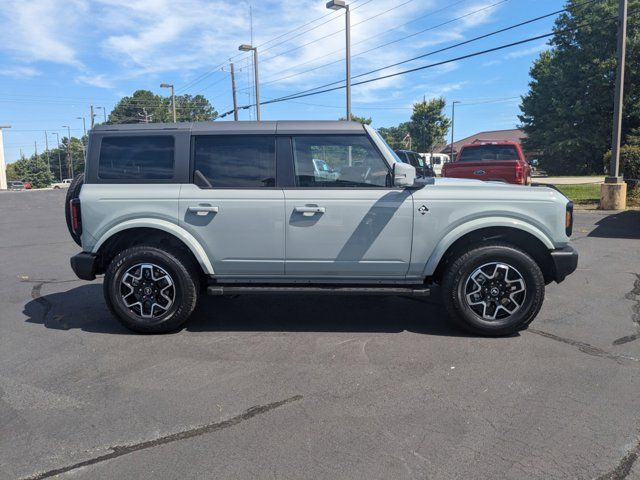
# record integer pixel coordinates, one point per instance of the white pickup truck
(63, 184)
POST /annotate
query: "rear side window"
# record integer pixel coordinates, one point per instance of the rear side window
(136, 158)
(235, 161)
(488, 152)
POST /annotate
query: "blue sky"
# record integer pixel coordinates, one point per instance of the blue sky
(59, 56)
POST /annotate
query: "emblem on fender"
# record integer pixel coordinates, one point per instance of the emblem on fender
(423, 209)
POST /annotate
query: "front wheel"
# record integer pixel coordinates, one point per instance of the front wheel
(151, 290)
(493, 290)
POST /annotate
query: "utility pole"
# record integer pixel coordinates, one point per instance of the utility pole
(613, 193)
(59, 157)
(46, 149)
(453, 121)
(69, 155)
(35, 145)
(92, 116)
(3, 170)
(233, 92)
(173, 99)
(84, 130)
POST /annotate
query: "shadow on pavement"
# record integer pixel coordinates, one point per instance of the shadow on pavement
(83, 308)
(618, 225)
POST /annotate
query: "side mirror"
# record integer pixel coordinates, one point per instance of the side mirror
(404, 175)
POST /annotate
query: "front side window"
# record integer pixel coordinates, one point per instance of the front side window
(136, 158)
(235, 161)
(338, 161)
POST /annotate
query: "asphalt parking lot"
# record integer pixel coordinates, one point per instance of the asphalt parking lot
(315, 387)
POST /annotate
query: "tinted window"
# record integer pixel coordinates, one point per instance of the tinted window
(346, 160)
(130, 158)
(236, 161)
(488, 152)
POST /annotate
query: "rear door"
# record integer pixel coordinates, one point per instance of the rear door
(232, 205)
(352, 226)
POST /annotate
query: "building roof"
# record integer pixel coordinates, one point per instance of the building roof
(230, 127)
(510, 135)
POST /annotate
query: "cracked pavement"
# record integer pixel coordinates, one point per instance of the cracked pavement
(315, 387)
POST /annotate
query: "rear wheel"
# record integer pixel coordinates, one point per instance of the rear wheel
(151, 290)
(494, 289)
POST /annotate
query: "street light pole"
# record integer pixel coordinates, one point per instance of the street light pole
(104, 113)
(453, 121)
(613, 193)
(69, 155)
(337, 5)
(173, 98)
(3, 170)
(246, 48)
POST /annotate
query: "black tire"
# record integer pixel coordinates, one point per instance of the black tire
(73, 192)
(185, 280)
(455, 288)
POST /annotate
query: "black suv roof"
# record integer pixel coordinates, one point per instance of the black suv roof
(287, 127)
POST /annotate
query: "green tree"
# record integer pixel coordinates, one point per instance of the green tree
(33, 170)
(395, 136)
(568, 110)
(146, 107)
(429, 125)
(355, 118)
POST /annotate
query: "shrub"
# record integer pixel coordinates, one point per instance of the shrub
(629, 167)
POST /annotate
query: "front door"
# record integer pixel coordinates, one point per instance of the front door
(233, 207)
(348, 222)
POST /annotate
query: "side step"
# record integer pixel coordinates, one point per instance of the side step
(317, 290)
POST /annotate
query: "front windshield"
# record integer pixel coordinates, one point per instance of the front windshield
(380, 139)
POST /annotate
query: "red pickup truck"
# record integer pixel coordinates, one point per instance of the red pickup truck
(489, 160)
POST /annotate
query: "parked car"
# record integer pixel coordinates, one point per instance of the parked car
(15, 185)
(63, 184)
(436, 160)
(168, 212)
(423, 169)
(27, 185)
(494, 161)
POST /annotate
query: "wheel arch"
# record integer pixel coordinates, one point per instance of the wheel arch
(526, 237)
(154, 232)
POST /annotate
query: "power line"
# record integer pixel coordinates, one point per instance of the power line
(336, 32)
(218, 67)
(386, 43)
(450, 47)
(423, 67)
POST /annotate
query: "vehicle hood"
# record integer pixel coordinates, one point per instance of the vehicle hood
(479, 189)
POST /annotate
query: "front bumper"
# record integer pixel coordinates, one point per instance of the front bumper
(84, 265)
(565, 261)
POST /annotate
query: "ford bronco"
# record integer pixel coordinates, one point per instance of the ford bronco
(168, 212)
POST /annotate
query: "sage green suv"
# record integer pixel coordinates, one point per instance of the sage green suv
(168, 212)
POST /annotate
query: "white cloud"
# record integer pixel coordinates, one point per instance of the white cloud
(99, 81)
(41, 30)
(527, 51)
(19, 72)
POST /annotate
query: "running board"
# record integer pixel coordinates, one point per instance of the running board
(316, 290)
